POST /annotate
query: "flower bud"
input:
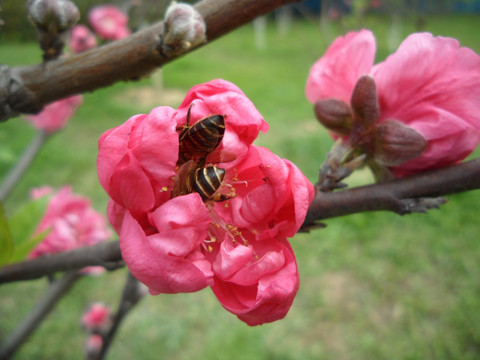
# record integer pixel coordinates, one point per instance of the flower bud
(93, 346)
(364, 102)
(97, 318)
(396, 143)
(53, 15)
(185, 28)
(335, 115)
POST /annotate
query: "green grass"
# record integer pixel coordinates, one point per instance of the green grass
(373, 285)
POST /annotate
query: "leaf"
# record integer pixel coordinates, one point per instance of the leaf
(23, 225)
(6, 240)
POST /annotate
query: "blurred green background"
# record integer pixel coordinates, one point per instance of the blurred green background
(373, 285)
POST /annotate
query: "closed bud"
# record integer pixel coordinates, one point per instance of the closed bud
(53, 15)
(364, 102)
(335, 115)
(396, 143)
(185, 28)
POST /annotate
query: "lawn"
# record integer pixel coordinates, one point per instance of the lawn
(373, 285)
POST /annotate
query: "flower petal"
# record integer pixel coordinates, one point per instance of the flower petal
(334, 75)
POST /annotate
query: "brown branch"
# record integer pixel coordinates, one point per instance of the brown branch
(106, 254)
(27, 89)
(388, 196)
(393, 195)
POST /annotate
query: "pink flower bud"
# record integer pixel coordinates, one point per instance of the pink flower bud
(109, 22)
(53, 15)
(82, 39)
(93, 346)
(97, 318)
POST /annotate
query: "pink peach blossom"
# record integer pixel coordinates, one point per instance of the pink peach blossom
(82, 39)
(54, 116)
(71, 222)
(109, 22)
(239, 246)
(97, 318)
(429, 84)
(93, 346)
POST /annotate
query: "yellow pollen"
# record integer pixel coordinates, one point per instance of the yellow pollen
(164, 188)
(209, 248)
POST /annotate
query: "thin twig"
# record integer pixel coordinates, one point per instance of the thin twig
(22, 164)
(132, 294)
(46, 304)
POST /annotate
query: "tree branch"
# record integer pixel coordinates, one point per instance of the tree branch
(106, 254)
(22, 164)
(132, 294)
(27, 89)
(387, 196)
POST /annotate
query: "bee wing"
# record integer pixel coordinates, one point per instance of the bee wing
(221, 157)
(183, 180)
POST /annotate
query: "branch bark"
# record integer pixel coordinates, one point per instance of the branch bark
(106, 254)
(391, 195)
(387, 196)
(27, 89)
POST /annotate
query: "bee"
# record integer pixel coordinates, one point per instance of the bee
(200, 139)
(204, 180)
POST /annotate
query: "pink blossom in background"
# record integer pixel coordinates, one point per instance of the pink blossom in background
(97, 318)
(109, 22)
(54, 116)
(93, 346)
(72, 223)
(429, 84)
(82, 39)
(238, 247)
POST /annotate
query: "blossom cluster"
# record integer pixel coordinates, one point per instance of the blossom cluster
(185, 243)
(416, 110)
(70, 222)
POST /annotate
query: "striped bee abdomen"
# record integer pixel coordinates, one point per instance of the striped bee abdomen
(203, 137)
(208, 180)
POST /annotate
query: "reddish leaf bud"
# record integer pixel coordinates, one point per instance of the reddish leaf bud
(53, 15)
(396, 143)
(335, 115)
(364, 101)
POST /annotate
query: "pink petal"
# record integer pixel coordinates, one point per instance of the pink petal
(431, 84)
(161, 272)
(270, 300)
(334, 75)
(130, 187)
